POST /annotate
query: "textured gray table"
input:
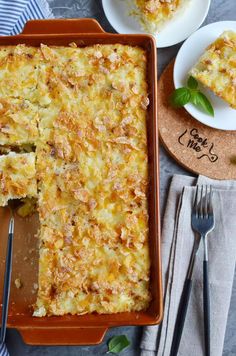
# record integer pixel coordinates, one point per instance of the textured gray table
(220, 10)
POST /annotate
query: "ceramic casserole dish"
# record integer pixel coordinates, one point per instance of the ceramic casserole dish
(84, 329)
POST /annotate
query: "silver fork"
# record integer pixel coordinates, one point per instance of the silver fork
(202, 220)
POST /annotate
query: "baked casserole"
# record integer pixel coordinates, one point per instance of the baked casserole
(216, 69)
(17, 176)
(89, 106)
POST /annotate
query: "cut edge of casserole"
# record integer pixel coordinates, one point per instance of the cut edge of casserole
(216, 68)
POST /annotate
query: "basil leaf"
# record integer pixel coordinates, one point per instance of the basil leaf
(192, 83)
(194, 97)
(203, 103)
(118, 343)
(180, 97)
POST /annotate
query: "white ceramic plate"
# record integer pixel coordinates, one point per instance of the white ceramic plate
(177, 30)
(189, 53)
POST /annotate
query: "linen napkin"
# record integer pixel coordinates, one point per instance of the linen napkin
(177, 244)
(15, 13)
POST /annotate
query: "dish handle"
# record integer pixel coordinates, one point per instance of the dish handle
(61, 26)
(63, 336)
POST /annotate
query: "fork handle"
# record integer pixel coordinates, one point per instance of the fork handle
(206, 307)
(182, 311)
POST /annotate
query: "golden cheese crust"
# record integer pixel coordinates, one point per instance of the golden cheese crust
(93, 198)
(216, 69)
(19, 71)
(92, 173)
(18, 122)
(154, 14)
(17, 176)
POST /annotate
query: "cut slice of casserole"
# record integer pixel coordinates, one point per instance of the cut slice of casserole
(154, 14)
(216, 69)
(19, 71)
(18, 122)
(17, 176)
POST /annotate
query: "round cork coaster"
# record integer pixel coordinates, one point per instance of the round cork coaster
(199, 148)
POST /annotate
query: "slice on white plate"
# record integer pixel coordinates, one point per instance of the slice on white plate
(176, 30)
(188, 56)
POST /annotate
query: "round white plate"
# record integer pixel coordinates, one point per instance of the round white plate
(177, 30)
(189, 53)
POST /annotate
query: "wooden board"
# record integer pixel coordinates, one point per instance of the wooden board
(199, 148)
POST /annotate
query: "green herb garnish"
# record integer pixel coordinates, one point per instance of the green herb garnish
(191, 94)
(192, 83)
(117, 344)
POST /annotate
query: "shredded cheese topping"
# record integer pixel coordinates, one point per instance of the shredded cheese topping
(88, 106)
(155, 14)
(17, 176)
(216, 69)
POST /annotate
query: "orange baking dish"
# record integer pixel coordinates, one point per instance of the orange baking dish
(84, 329)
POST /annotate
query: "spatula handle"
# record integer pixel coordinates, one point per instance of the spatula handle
(7, 281)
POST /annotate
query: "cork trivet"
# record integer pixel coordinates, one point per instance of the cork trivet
(199, 148)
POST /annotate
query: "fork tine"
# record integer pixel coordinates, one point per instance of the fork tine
(201, 203)
(210, 206)
(206, 202)
(196, 200)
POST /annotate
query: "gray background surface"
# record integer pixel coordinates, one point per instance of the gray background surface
(220, 10)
